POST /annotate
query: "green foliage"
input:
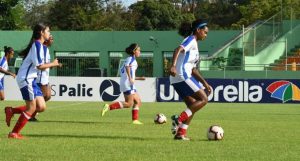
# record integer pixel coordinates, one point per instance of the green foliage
(11, 13)
(235, 59)
(156, 15)
(219, 62)
(143, 15)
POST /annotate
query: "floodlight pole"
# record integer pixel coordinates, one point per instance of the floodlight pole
(286, 58)
(243, 47)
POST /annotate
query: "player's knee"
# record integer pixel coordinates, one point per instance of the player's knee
(130, 104)
(47, 98)
(2, 98)
(41, 108)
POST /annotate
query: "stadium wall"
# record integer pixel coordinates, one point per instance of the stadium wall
(104, 42)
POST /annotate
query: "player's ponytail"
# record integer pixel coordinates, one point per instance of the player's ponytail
(130, 49)
(36, 34)
(185, 29)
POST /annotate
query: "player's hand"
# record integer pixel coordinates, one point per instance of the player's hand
(60, 65)
(208, 88)
(55, 62)
(173, 71)
(13, 75)
(131, 81)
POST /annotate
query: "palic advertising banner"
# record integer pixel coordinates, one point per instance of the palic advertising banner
(239, 90)
(86, 89)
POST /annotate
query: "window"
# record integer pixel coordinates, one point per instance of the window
(145, 63)
(115, 62)
(78, 63)
(167, 62)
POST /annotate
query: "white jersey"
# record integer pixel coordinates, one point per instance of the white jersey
(43, 75)
(3, 65)
(187, 60)
(28, 70)
(124, 81)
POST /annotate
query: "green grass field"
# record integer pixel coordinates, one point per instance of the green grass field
(76, 131)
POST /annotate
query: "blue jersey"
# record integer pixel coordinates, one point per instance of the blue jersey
(187, 60)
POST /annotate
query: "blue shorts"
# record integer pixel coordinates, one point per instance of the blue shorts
(129, 92)
(2, 84)
(187, 87)
(31, 91)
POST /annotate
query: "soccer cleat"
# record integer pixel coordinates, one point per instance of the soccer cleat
(12, 135)
(8, 114)
(33, 119)
(181, 137)
(104, 109)
(137, 122)
(175, 124)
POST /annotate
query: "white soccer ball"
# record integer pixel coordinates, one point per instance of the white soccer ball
(160, 118)
(215, 132)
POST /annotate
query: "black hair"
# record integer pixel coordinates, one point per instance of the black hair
(7, 50)
(36, 34)
(188, 28)
(130, 49)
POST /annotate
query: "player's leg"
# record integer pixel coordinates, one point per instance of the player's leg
(2, 96)
(119, 105)
(41, 91)
(46, 89)
(23, 119)
(135, 109)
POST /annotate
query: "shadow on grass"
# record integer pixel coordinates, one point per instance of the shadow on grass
(75, 122)
(88, 137)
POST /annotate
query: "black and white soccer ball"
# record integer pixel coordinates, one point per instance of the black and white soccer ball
(215, 132)
(160, 118)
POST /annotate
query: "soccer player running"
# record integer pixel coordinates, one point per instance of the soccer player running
(127, 73)
(33, 61)
(43, 75)
(185, 77)
(9, 53)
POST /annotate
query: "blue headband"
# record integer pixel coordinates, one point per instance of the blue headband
(201, 25)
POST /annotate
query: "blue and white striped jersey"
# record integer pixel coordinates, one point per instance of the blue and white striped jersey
(124, 81)
(43, 75)
(28, 70)
(187, 60)
(3, 65)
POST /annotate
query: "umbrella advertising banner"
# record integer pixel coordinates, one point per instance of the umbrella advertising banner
(240, 90)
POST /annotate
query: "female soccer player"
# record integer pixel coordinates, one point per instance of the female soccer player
(9, 53)
(43, 75)
(127, 72)
(33, 61)
(185, 77)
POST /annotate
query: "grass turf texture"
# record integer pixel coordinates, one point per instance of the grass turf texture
(76, 131)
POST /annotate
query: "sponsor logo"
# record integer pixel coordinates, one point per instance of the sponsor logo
(284, 91)
(80, 90)
(242, 92)
(109, 90)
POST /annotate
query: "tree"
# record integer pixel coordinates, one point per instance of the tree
(116, 17)
(76, 15)
(11, 15)
(156, 15)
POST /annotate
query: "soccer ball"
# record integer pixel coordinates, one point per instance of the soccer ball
(215, 132)
(160, 118)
